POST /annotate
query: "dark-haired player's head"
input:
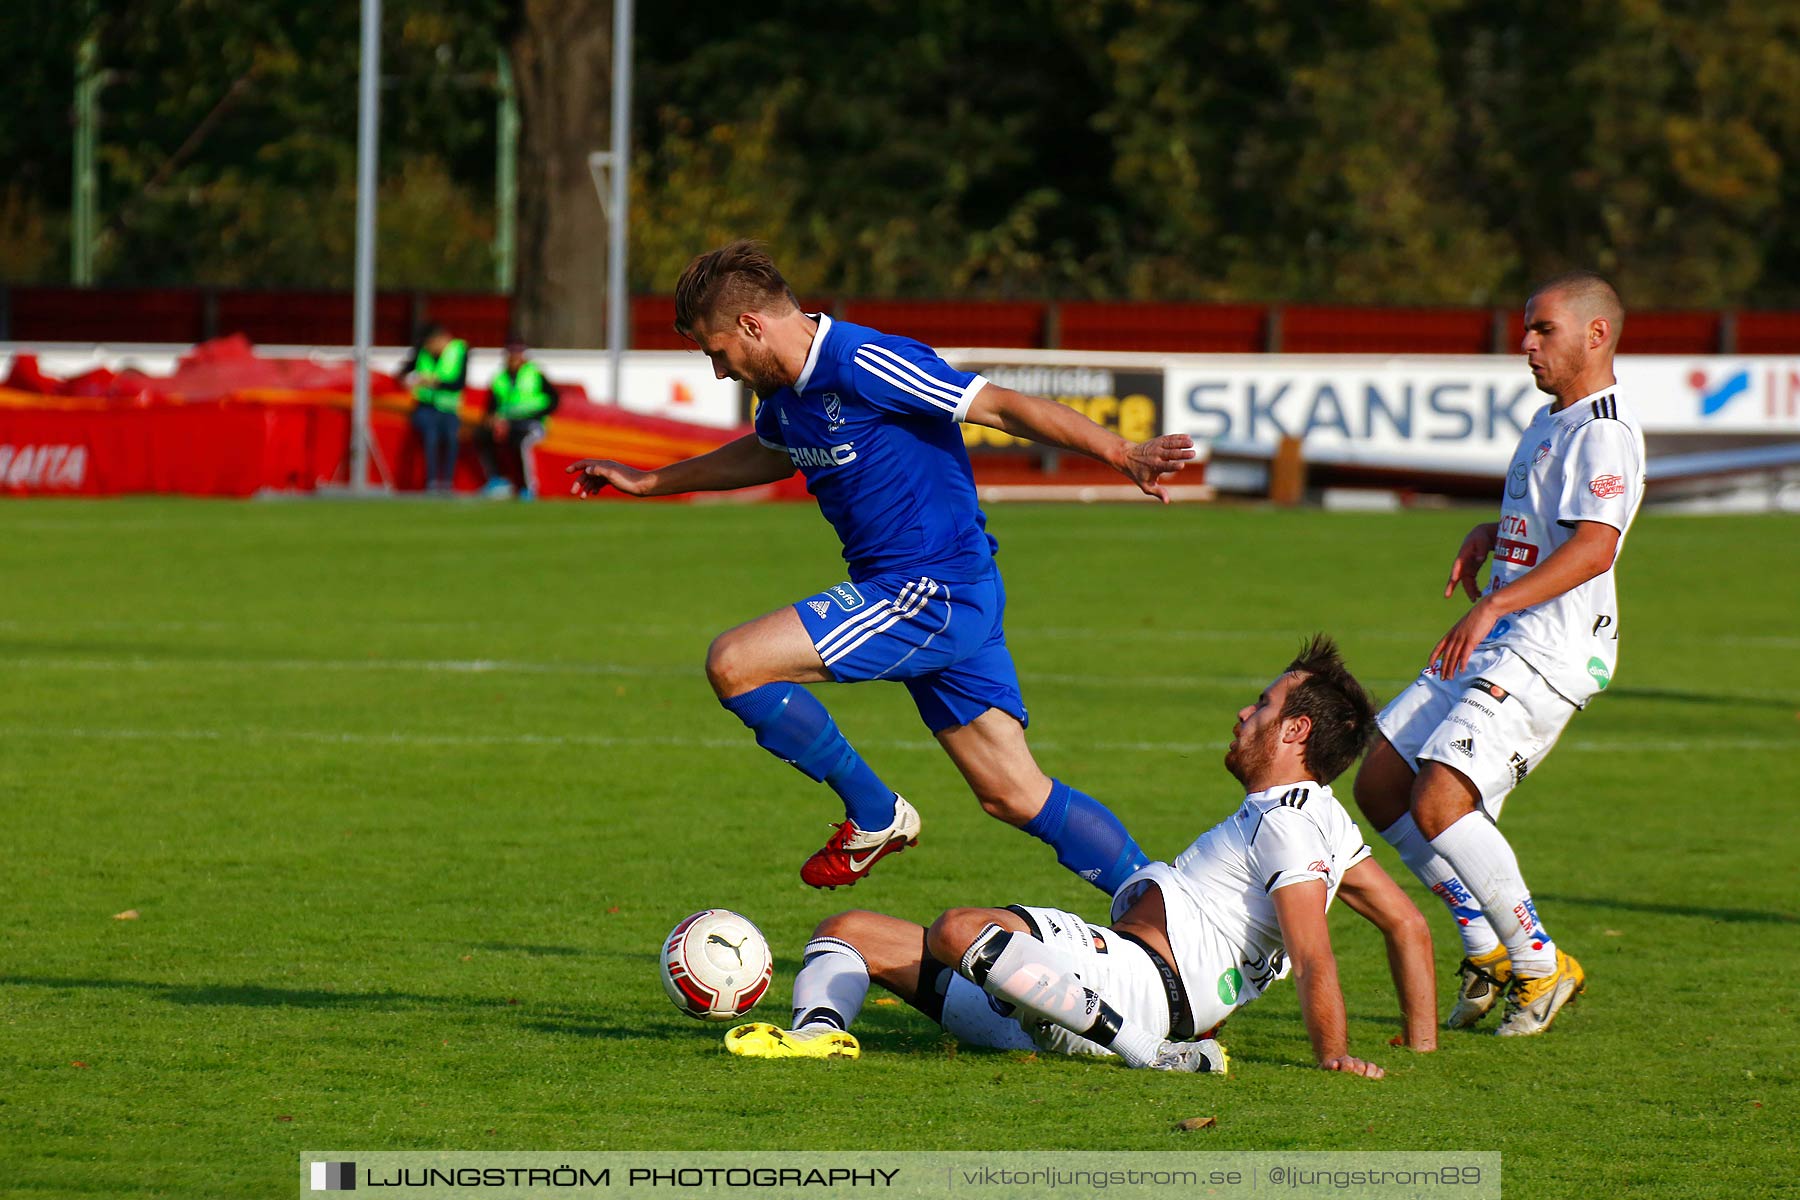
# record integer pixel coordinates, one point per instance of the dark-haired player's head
(1311, 723)
(1572, 327)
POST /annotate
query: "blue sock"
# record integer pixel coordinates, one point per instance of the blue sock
(790, 723)
(1087, 838)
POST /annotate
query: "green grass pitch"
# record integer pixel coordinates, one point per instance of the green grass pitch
(406, 796)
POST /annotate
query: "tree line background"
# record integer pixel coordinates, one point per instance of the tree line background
(1372, 151)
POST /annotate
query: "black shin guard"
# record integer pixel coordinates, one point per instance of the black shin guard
(982, 953)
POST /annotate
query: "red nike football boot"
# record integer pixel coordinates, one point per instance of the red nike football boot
(850, 853)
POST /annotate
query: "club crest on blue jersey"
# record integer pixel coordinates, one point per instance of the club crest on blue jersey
(834, 412)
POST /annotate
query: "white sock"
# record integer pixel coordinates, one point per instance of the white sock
(831, 986)
(1480, 854)
(1434, 872)
(1041, 979)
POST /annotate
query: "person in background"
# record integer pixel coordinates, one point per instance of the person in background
(436, 371)
(520, 401)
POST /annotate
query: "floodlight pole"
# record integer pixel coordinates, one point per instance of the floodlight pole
(368, 125)
(618, 301)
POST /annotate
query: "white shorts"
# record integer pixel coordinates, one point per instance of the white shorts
(1115, 967)
(1215, 976)
(1493, 723)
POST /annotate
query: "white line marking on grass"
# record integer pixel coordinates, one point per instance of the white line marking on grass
(923, 742)
(699, 630)
(482, 666)
(469, 666)
(485, 666)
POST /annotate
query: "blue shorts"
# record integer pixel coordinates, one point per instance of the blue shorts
(945, 641)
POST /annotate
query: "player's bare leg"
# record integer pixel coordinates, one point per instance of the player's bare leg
(1384, 791)
(1384, 784)
(949, 937)
(993, 756)
(773, 648)
(1544, 978)
(754, 669)
(847, 953)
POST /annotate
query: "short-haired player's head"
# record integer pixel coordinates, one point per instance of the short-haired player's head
(729, 302)
(1572, 326)
(1314, 721)
(720, 285)
(1341, 710)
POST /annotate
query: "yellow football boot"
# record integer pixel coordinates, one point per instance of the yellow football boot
(1483, 982)
(1531, 1004)
(759, 1039)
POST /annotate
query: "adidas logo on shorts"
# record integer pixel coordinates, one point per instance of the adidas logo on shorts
(1464, 747)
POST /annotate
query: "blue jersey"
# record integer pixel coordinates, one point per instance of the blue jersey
(873, 424)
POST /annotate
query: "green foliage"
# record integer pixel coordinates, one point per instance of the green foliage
(227, 141)
(386, 903)
(1379, 151)
(28, 247)
(1654, 140)
(902, 161)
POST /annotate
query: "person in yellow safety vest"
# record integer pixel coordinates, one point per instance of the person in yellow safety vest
(436, 371)
(520, 401)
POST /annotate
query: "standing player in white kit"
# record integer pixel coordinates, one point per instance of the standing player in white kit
(1501, 685)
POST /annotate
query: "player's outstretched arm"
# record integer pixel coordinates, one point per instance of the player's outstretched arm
(1589, 552)
(1300, 909)
(1372, 893)
(1144, 463)
(745, 462)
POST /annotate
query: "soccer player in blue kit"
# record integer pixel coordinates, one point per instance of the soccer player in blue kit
(871, 420)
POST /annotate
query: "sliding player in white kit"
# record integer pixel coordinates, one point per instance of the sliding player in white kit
(1501, 685)
(1190, 941)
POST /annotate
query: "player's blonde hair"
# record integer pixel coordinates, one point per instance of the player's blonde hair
(733, 279)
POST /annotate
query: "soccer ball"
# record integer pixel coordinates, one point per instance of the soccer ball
(716, 965)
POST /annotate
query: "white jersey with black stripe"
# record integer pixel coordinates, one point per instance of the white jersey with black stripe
(1582, 463)
(1217, 894)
